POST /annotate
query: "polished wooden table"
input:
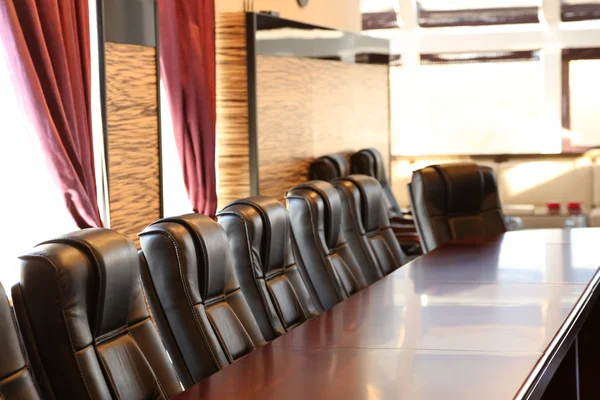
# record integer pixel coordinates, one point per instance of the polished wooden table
(497, 318)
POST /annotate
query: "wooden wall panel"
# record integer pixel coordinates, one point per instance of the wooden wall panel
(308, 108)
(232, 108)
(132, 118)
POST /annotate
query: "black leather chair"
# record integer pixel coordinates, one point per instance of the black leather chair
(81, 298)
(258, 229)
(329, 167)
(370, 162)
(455, 201)
(202, 314)
(16, 379)
(367, 226)
(326, 261)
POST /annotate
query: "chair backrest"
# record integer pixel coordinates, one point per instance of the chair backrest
(367, 226)
(16, 379)
(200, 307)
(81, 296)
(329, 167)
(370, 162)
(332, 274)
(258, 229)
(455, 201)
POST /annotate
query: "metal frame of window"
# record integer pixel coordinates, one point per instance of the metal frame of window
(580, 12)
(478, 17)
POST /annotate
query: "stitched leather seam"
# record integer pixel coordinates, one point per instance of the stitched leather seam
(252, 264)
(110, 335)
(214, 300)
(383, 273)
(319, 245)
(160, 387)
(294, 291)
(67, 240)
(108, 373)
(185, 291)
(66, 325)
(338, 279)
(276, 303)
(356, 221)
(12, 373)
(347, 268)
(220, 338)
(23, 351)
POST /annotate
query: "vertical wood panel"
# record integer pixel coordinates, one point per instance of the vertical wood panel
(132, 117)
(308, 108)
(233, 145)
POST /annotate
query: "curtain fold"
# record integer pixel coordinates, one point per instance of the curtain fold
(188, 67)
(49, 43)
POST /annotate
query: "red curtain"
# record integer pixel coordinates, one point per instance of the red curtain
(187, 60)
(48, 42)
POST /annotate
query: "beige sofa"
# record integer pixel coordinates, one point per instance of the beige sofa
(526, 185)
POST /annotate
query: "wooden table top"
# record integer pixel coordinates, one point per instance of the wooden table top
(472, 320)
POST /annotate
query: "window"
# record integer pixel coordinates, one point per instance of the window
(476, 103)
(438, 13)
(581, 120)
(580, 10)
(32, 207)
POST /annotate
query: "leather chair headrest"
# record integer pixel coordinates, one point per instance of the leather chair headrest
(333, 208)
(329, 167)
(114, 258)
(212, 250)
(340, 163)
(371, 200)
(271, 230)
(369, 162)
(464, 186)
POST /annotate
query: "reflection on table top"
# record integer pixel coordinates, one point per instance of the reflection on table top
(398, 314)
(545, 256)
(470, 320)
(324, 373)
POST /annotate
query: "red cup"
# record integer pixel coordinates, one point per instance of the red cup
(553, 207)
(574, 207)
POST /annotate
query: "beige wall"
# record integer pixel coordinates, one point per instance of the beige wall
(340, 14)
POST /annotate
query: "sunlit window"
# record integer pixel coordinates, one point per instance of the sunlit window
(471, 104)
(584, 86)
(32, 207)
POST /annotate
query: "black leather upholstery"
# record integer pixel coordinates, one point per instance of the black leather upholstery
(81, 297)
(367, 226)
(258, 229)
(455, 201)
(207, 320)
(331, 272)
(329, 167)
(370, 162)
(16, 379)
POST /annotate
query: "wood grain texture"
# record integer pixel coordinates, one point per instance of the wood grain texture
(133, 157)
(308, 108)
(233, 144)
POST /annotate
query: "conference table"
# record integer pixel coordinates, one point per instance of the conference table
(505, 317)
